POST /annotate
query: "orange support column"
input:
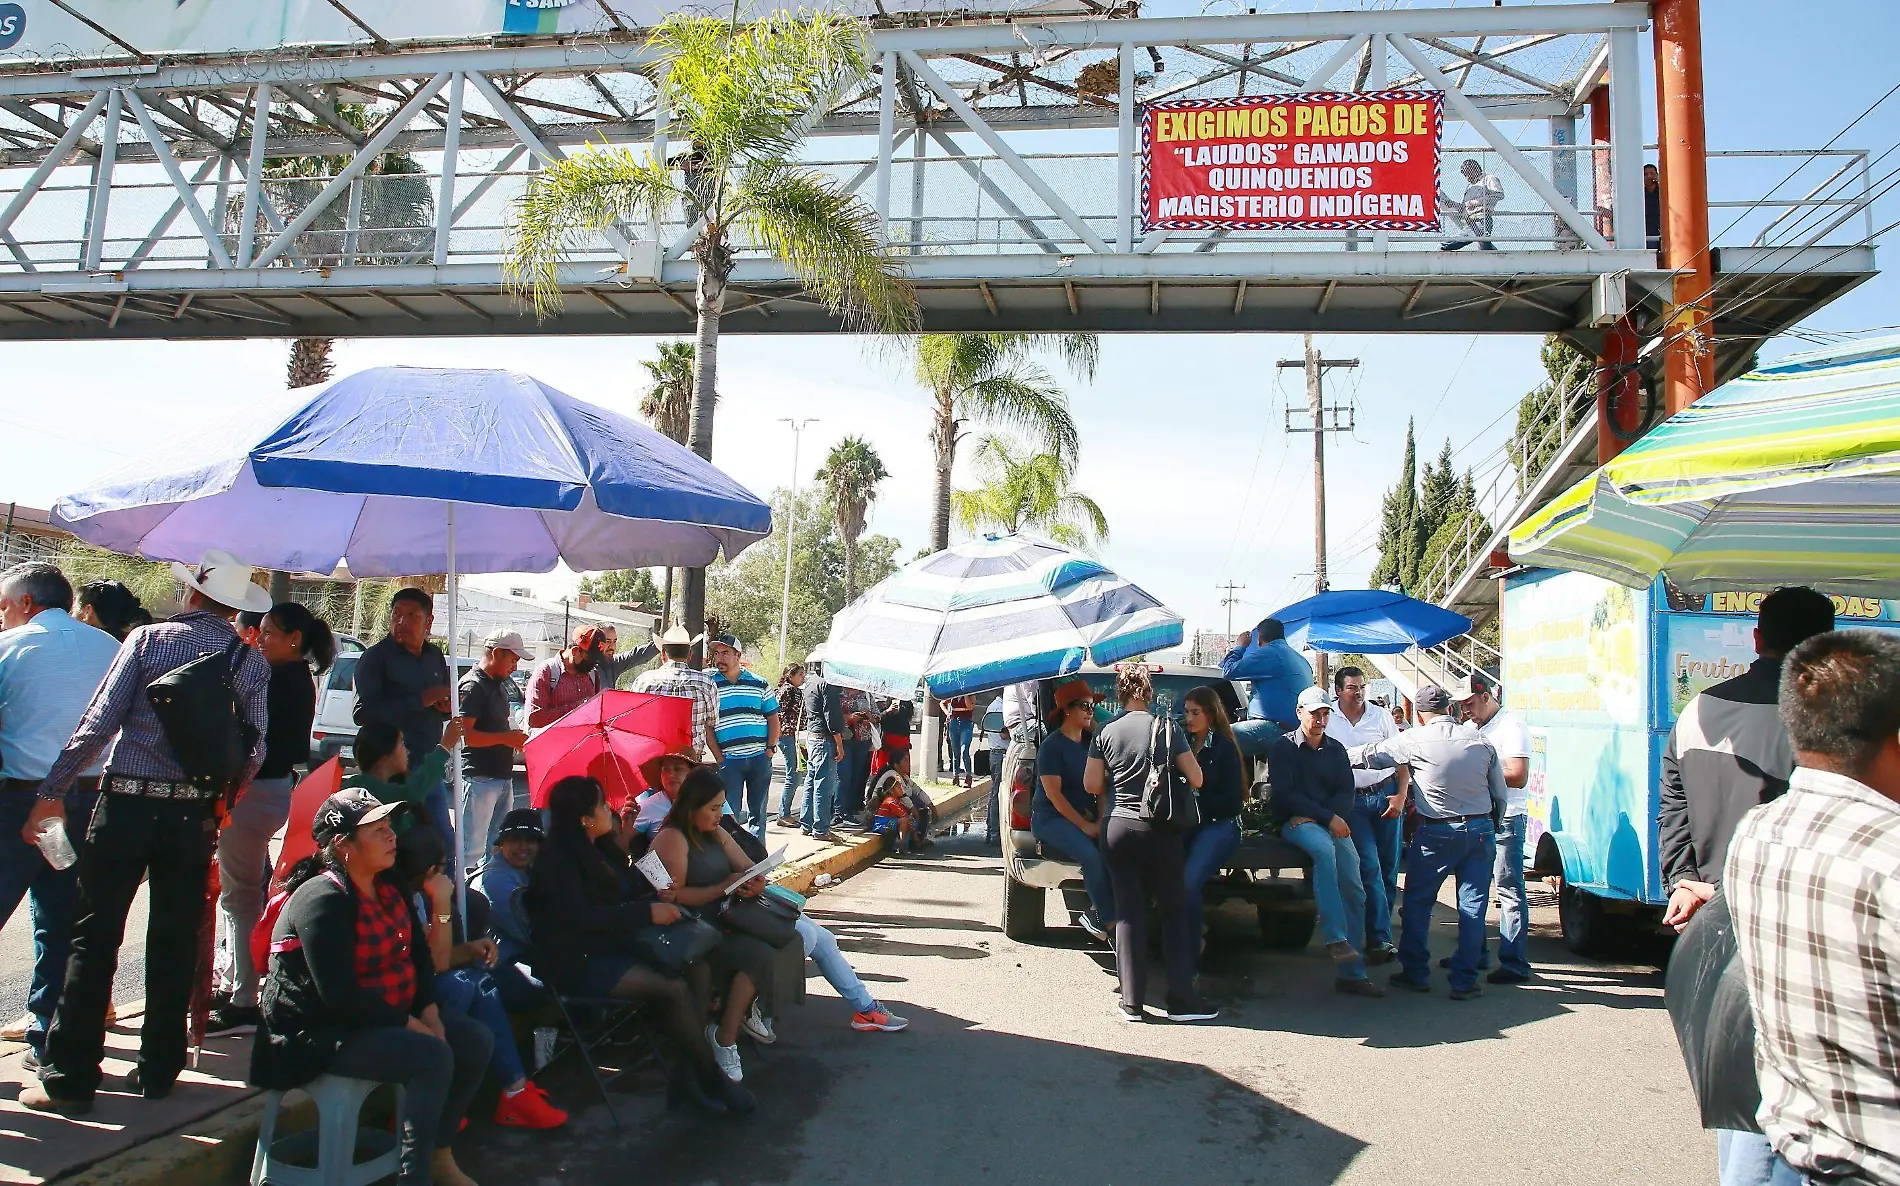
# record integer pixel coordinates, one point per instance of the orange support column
(1689, 352)
(1618, 391)
(1602, 184)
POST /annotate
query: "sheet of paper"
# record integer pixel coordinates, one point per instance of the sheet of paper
(759, 870)
(654, 870)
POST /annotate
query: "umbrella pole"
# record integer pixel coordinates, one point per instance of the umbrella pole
(455, 757)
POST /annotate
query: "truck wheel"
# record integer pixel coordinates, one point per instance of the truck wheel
(1588, 928)
(1286, 922)
(1022, 910)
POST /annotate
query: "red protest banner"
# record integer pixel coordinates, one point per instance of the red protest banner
(1312, 161)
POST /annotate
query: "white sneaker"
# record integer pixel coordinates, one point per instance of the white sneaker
(759, 1026)
(726, 1056)
(16, 1030)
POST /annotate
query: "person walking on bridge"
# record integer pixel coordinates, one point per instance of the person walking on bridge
(1459, 785)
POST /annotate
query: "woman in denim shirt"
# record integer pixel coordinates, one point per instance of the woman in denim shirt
(1212, 844)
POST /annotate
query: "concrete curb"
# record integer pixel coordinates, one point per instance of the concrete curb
(217, 1147)
(868, 850)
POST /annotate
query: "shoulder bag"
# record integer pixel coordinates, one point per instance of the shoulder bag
(199, 709)
(1167, 801)
(772, 921)
(670, 948)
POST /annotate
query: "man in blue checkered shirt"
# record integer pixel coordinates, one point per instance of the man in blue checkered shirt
(149, 822)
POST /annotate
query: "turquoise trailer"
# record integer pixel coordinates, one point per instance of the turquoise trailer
(1598, 672)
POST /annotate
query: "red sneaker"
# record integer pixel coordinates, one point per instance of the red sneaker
(528, 1108)
(876, 1018)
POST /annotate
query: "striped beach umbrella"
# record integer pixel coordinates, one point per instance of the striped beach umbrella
(992, 612)
(1787, 475)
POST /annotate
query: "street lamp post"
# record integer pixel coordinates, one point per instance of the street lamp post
(791, 528)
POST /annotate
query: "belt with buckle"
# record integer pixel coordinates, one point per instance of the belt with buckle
(1456, 819)
(156, 788)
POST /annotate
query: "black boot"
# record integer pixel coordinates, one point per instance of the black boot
(684, 1086)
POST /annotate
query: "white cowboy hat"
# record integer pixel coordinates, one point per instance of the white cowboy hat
(677, 637)
(226, 580)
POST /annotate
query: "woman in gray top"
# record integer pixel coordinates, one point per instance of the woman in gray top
(1144, 858)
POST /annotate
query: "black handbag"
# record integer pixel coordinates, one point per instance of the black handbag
(202, 716)
(672, 947)
(772, 921)
(1167, 801)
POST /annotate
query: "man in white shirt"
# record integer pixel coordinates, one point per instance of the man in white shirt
(1506, 732)
(1378, 808)
(1483, 194)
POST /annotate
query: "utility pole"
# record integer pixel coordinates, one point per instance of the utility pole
(1322, 419)
(791, 528)
(1229, 601)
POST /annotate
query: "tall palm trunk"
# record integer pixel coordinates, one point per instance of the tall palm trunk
(850, 568)
(715, 265)
(944, 437)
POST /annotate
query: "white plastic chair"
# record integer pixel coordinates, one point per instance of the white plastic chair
(335, 1140)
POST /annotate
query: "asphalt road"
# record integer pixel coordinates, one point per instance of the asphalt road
(1017, 1069)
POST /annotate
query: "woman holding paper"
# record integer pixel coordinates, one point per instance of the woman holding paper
(585, 903)
(706, 864)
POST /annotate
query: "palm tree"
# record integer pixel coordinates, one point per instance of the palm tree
(850, 476)
(743, 96)
(994, 378)
(1027, 489)
(668, 403)
(668, 407)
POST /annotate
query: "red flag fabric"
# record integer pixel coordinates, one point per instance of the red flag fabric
(608, 738)
(316, 786)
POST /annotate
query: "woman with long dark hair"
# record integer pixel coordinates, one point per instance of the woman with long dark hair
(1212, 844)
(352, 992)
(1144, 858)
(292, 640)
(111, 607)
(704, 862)
(585, 904)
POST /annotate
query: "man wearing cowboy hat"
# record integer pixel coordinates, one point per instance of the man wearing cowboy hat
(149, 822)
(678, 677)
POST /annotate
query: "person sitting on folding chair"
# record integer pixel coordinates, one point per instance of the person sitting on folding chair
(584, 903)
(462, 981)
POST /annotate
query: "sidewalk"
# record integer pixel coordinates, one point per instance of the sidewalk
(206, 1130)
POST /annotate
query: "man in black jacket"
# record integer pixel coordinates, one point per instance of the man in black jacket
(1729, 752)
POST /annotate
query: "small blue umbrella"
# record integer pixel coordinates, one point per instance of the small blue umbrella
(991, 612)
(1369, 622)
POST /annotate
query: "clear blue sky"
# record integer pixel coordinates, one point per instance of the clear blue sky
(1181, 435)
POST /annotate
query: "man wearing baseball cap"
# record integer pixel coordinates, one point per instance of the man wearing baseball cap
(1312, 789)
(489, 740)
(1458, 785)
(150, 820)
(747, 729)
(1511, 738)
(563, 680)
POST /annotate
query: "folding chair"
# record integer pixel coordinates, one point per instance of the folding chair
(593, 1024)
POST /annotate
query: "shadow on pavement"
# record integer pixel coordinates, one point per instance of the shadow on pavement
(945, 1102)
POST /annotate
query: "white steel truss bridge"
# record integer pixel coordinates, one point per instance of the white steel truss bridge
(250, 195)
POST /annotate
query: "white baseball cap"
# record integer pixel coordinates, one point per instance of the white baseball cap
(1314, 698)
(507, 640)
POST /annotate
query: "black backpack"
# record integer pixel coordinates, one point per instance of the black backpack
(202, 714)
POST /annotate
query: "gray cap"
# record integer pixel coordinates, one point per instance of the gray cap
(1432, 698)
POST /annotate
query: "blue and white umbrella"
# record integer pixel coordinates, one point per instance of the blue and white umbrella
(992, 612)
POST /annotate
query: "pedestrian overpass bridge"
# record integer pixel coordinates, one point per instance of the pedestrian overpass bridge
(148, 197)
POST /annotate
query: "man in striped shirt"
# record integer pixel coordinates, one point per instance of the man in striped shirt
(747, 731)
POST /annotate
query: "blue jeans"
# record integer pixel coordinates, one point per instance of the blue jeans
(1464, 850)
(1209, 849)
(748, 783)
(1338, 896)
(1072, 842)
(1507, 875)
(1376, 838)
(50, 894)
(474, 994)
(993, 826)
(961, 730)
(821, 946)
(1256, 736)
(788, 750)
(854, 774)
(1748, 1159)
(821, 784)
(482, 809)
(435, 813)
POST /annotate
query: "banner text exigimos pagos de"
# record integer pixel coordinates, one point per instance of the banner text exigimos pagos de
(1313, 161)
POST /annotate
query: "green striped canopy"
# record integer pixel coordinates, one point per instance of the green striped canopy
(1787, 475)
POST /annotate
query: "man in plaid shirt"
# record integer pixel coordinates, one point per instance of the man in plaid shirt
(678, 677)
(1813, 881)
(149, 821)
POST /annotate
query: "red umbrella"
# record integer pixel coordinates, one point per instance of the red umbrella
(608, 738)
(316, 786)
